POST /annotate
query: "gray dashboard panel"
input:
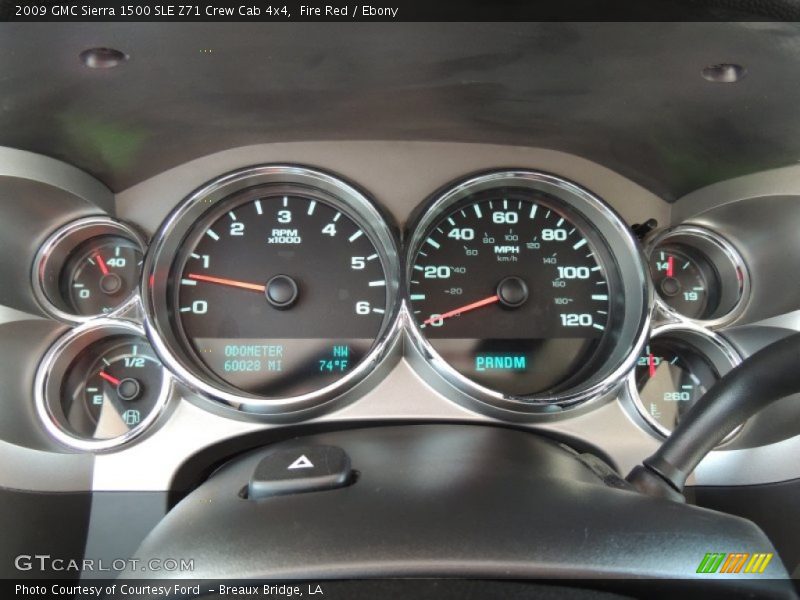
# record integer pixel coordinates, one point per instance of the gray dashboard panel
(626, 95)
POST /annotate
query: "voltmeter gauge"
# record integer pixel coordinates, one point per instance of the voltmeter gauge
(678, 367)
(100, 386)
(687, 283)
(698, 276)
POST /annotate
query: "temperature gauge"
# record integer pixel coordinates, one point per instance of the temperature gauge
(676, 369)
(101, 386)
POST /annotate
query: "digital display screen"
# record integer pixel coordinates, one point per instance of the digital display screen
(281, 367)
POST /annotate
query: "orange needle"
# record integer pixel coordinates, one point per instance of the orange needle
(229, 282)
(109, 378)
(463, 309)
(102, 263)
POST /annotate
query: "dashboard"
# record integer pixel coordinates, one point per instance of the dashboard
(271, 287)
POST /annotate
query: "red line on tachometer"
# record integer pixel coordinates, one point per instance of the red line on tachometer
(463, 309)
(229, 282)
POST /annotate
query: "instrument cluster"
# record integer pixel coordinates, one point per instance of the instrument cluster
(276, 290)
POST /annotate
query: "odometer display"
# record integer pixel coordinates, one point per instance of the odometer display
(279, 294)
(513, 291)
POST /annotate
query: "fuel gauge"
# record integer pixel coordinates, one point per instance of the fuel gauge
(100, 386)
(112, 387)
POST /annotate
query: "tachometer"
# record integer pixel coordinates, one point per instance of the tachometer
(280, 290)
(516, 292)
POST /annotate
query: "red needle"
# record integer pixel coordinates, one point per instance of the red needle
(109, 378)
(229, 282)
(651, 361)
(670, 265)
(102, 264)
(463, 309)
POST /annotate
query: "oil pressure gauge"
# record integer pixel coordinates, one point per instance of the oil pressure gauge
(90, 267)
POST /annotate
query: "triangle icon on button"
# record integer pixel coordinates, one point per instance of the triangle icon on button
(301, 463)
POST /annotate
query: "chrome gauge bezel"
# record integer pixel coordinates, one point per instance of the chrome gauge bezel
(164, 248)
(53, 369)
(712, 346)
(633, 282)
(52, 257)
(717, 249)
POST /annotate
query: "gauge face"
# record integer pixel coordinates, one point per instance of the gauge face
(111, 388)
(684, 281)
(512, 291)
(670, 377)
(278, 294)
(101, 274)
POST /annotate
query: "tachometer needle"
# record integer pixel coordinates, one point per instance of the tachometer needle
(463, 309)
(102, 264)
(651, 362)
(109, 378)
(229, 282)
(670, 266)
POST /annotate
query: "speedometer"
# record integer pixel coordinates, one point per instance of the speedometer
(517, 294)
(280, 291)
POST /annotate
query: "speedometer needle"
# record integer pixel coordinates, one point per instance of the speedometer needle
(463, 309)
(229, 282)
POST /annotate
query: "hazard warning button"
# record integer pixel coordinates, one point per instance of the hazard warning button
(298, 470)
